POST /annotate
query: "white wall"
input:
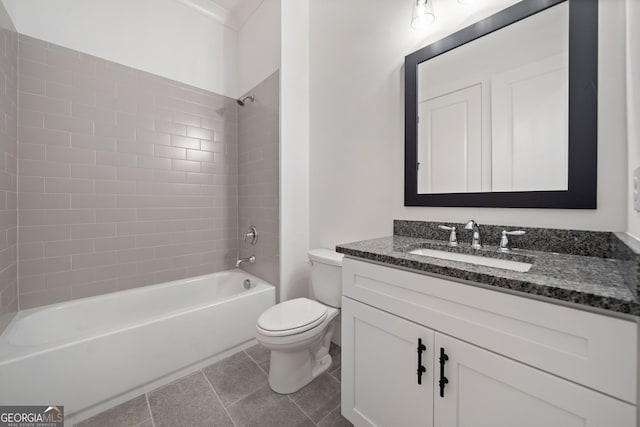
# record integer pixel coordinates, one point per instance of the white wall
(355, 92)
(294, 150)
(259, 46)
(633, 106)
(357, 128)
(163, 37)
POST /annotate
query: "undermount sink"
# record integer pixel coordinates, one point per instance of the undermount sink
(474, 259)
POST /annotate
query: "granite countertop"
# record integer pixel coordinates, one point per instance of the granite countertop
(604, 283)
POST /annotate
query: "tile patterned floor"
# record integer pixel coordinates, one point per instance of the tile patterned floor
(233, 392)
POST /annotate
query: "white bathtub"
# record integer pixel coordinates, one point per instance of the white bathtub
(92, 353)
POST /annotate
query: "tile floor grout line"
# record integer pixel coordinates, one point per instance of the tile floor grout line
(330, 412)
(145, 420)
(219, 399)
(301, 410)
(330, 375)
(153, 422)
(246, 395)
(339, 380)
(256, 362)
(237, 400)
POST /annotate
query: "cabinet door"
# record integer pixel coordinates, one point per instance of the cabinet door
(379, 369)
(488, 390)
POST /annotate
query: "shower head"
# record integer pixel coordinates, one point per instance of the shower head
(241, 102)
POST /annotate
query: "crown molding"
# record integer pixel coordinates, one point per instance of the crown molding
(232, 18)
(210, 9)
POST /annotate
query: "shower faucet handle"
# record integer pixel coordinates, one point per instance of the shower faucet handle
(251, 234)
(453, 237)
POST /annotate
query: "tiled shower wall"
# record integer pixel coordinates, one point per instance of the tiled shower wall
(125, 178)
(8, 169)
(258, 177)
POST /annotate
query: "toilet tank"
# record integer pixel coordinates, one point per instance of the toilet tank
(326, 276)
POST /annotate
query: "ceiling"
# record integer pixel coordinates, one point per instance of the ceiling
(232, 13)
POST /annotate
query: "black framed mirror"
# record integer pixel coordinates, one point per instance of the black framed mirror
(569, 136)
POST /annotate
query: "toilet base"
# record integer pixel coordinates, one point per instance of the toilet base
(296, 360)
(289, 372)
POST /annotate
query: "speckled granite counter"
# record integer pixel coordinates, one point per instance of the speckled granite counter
(603, 283)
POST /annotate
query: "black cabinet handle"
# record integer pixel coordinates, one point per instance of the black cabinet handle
(421, 369)
(443, 380)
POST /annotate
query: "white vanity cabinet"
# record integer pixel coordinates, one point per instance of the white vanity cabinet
(511, 361)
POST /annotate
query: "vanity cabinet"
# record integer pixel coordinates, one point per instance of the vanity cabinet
(508, 358)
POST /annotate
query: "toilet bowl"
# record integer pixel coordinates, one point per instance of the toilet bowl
(298, 332)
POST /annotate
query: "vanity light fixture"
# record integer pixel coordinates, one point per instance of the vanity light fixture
(422, 14)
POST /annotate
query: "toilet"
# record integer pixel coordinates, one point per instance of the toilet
(298, 332)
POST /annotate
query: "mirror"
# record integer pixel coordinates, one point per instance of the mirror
(504, 113)
(492, 114)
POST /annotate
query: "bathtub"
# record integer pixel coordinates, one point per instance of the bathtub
(93, 353)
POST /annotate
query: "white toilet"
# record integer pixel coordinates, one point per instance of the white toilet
(298, 332)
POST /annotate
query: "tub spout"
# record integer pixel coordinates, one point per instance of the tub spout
(250, 260)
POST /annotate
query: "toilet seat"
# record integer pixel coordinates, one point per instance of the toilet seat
(292, 317)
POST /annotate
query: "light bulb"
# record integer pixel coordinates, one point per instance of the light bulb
(422, 14)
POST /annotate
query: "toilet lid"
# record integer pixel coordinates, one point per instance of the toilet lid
(292, 317)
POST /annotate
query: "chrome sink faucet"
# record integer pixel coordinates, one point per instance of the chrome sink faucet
(476, 242)
(250, 260)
